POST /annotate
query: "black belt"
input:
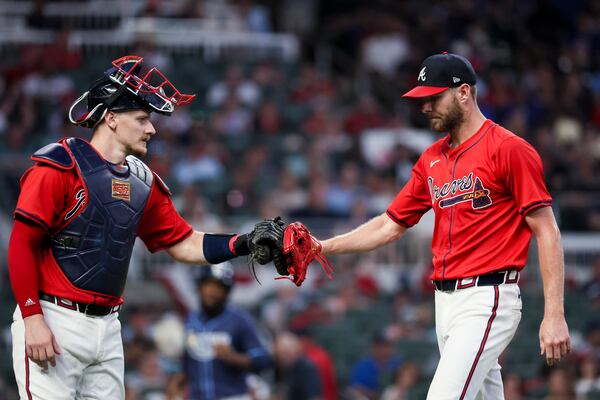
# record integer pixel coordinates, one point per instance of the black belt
(87, 309)
(491, 279)
(66, 241)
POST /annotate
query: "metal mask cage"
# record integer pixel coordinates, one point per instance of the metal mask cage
(153, 87)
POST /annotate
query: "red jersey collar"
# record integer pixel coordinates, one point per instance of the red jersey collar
(467, 143)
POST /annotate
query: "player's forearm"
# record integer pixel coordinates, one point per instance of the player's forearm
(237, 360)
(259, 363)
(543, 225)
(208, 248)
(375, 233)
(552, 271)
(189, 250)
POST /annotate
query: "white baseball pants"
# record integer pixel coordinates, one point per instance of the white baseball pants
(473, 327)
(90, 366)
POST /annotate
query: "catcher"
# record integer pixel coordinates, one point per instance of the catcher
(80, 209)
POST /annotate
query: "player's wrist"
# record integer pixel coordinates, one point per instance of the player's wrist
(555, 313)
(554, 307)
(238, 244)
(33, 317)
(32, 311)
(236, 359)
(32, 322)
(326, 246)
(219, 248)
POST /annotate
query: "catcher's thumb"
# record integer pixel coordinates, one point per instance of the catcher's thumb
(262, 254)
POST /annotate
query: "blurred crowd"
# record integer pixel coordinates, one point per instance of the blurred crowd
(321, 142)
(328, 138)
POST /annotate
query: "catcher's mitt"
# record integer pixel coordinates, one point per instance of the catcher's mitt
(299, 249)
(266, 237)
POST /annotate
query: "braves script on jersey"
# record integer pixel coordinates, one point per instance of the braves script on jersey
(480, 192)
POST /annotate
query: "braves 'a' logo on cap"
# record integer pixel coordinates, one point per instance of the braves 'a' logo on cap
(422, 75)
(472, 190)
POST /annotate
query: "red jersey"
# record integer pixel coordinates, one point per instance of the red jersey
(326, 369)
(480, 192)
(51, 196)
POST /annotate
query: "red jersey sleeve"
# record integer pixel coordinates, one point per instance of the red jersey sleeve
(161, 226)
(23, 265)
(522, 167)
(42, 197)
(412, 201)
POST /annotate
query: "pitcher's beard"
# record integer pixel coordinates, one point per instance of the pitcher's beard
(450, 122)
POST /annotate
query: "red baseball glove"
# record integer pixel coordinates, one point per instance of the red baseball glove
(299, 249)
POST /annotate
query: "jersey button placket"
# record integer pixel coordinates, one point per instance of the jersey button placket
(451, 168)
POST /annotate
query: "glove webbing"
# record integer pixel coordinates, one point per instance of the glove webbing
(299, 253)
(299, 278)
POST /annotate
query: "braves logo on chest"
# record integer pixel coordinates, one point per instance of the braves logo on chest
(461, 190)
(80, 197)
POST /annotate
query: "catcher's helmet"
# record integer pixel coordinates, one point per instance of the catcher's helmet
(222, 273)
(123, 87)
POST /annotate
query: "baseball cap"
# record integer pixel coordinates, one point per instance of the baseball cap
(222, 273)
(441, 72)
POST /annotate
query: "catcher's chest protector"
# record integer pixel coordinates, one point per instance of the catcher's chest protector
(94, 249)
